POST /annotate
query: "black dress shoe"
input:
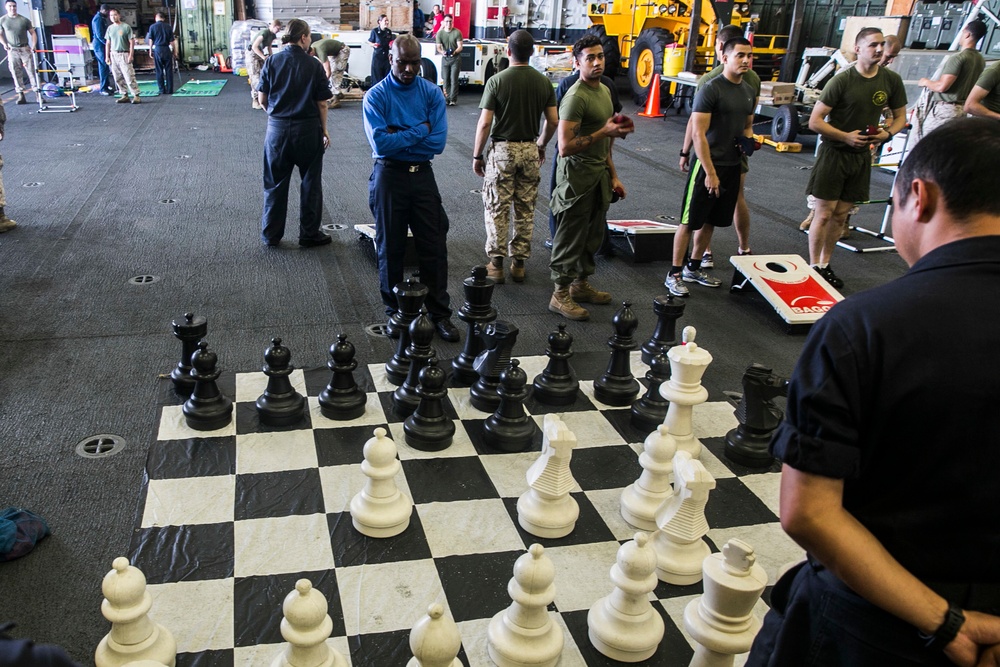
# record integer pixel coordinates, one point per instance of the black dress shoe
(447, 330)
(272, 244)
(322, 239)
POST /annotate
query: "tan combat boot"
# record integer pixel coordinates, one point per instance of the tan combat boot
(494, 270)
(805, 224)
(583, 292)
(563, 304)
(517, 270)
(333, 103)
(6, 224)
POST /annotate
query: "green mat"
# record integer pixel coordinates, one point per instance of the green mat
(195, 88)
(146, 89)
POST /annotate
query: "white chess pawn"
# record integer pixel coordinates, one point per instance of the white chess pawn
(680, 549)
(380, 509)
(523, 635)
(688, 363)
(721, 621)
(134, 637)
(624, 626)
(547, 509)
(434, 640)
(641, 499)
(306, 627)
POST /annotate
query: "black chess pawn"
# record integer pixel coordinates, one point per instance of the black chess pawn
(650, 410)
(280, 404)
(429, 429)
(410, 297)
(476, 312)
(618, 386)
(747, 444)
(668, 310)
(189, 331)
(510, 429)
(557, 384)
(207, 409)
(342, 400)
(406, 397)
(491, 363)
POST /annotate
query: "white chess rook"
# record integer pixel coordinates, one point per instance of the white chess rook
(523, 635)
(641, 499)
(721, 621)
(434, 640)
(680, 549)
(306, 626)
(688, 363)
(380, 509)
(624, 626)
(134, 637)
(547, 509)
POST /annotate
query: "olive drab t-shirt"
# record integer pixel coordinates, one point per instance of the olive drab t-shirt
(990, 81)
(857, 102)
(448, 39)
(577, 175)
(119, 36)
(327, 48)
(966, 66)
(519, 96)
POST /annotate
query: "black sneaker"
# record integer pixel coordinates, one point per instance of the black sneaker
(829, 276)
(322, 239)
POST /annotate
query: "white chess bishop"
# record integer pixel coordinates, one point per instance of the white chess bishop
(434, 640)
(624, 626)
(721, 621)
(680, 549)
(380, 509)
(306, 626)
(641, 499)
(134, 637)
(523, 635)
(547, 509)
(688, 363)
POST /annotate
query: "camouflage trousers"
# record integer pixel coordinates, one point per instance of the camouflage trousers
(338, 65)
(124, 74)
(3, 197)
(511, 181)
(254, 66)
(21, 62)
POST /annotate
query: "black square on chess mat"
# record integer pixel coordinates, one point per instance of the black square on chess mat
(248, 421)
(440, 480)
(275, 494)
(194, 457)
(257, 605)
(184, 553)
(351, 548)
(344, 445)
(487, 573)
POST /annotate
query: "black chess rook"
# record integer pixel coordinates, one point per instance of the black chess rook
(557, 383)
(280, 404)
(668, 310)
(510, 429)
(407, 396)
(410, 297)
(429, 429)
(618, 386)
(476, 312)
(189, 330)
(207, 409)
(491, 363)
(342, 400)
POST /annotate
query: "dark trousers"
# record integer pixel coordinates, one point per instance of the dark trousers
(289, 144)
(380, 66)
(103, 70)
(401, 200)
(163, 59)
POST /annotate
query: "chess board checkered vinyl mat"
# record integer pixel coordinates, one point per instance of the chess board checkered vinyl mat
(230, 519)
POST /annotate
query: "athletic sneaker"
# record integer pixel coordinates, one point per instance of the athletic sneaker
(829, 276)
(707, 261)
(700, 277)
(676, 285)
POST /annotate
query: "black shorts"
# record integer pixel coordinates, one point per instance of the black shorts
(700, 208)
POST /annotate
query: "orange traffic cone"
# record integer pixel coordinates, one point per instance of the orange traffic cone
(653, 100)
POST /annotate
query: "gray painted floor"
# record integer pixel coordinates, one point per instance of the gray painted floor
(83, 351)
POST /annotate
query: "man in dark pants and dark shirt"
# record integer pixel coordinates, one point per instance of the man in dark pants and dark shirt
(406, 126)
(294, 90)
(891, 440)
(98, 28)
(161, 41)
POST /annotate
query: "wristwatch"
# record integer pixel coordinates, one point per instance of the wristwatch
(477, 157)
(947, 631)
(683, 154)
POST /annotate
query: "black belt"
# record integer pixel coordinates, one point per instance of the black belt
(411, 167)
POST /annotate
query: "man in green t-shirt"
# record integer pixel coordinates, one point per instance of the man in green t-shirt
(119, 49)
(449, 44)
(944, 97)
(847, 116)
(585, 180)
(741, 217)
(334, 55)
(984, 100)
(513, 102)
(259, 50)
(18, 37)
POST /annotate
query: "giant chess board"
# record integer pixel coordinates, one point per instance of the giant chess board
(228, 520)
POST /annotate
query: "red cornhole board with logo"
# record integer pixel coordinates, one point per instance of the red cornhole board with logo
(790, 285)
(649, 240)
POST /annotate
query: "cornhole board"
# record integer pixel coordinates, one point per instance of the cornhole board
(649, 240)
(367, 232)
(798, 294)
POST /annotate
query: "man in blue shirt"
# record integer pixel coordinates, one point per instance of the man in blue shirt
(161, 42)
(406, 126)
(98, 28)
(294, 90)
